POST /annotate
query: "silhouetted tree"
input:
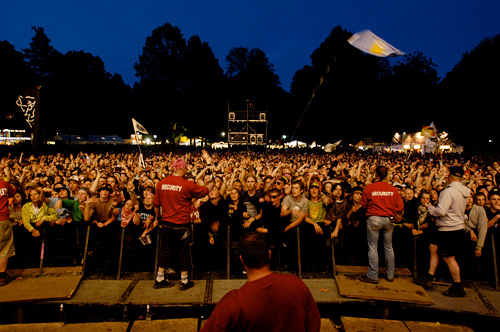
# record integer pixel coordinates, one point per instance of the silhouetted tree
(412, 90)
(16, 77)
(470, 90)
(41, 56)
(205, 93)
(251, 75)
(163, 77)
(339, 90)
(86, 99)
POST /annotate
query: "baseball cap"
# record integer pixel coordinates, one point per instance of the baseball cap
(314, 184)
(457, 171)
(494, 191)
(74, 178)
(105, 187)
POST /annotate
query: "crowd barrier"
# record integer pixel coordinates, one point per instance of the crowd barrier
(230, 246)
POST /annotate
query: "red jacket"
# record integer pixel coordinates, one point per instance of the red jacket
(174, 195)
(382, 199)
(6, 191)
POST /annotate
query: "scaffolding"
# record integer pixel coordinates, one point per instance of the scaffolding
(247, 123)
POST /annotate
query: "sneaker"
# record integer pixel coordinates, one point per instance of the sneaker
(368, 280)
(5, 281)
(389, 279)
(455, 291)
(163, 284)
(186, 286)
(425, 282)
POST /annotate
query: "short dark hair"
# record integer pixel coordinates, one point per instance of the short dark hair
(300, 183)
(254, 250)
(381, 172)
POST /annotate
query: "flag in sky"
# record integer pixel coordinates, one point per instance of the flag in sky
(138, 127)
(368, 42)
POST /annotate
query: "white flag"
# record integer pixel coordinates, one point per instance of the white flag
(138, 127)
(368, 42)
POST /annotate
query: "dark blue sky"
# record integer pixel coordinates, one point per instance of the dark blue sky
(287, 30)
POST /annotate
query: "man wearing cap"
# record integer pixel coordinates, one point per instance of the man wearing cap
(102, 206)
(318, 236)
(74, 185)
(449, 216)
(354, 228)
(173, 195)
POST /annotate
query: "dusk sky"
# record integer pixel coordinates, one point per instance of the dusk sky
(287, 31)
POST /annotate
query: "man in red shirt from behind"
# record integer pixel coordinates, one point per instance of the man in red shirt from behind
(383, 205)
(173, 195)
(267, 301)
(6, 236)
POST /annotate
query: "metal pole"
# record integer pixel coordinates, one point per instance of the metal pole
(85, 250)
(121, 254)
(415, 274)
(157, 249)
(299, 258)
(228, 253)
(42, 253)
(495, 263)
(332, 243)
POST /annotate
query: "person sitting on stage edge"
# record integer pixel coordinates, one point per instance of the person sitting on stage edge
(267, 301)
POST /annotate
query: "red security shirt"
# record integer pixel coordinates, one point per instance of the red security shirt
(6, 191)
(174, 195)
(382, 199)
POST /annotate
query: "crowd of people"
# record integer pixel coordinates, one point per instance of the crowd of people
(295, 197)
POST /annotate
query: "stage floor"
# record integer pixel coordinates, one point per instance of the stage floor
(66, 297)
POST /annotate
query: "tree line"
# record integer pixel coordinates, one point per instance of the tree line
(183, 90)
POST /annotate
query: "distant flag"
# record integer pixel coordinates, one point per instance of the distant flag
(332, 146)
(368, 42)
(428, 131)
(138, 127)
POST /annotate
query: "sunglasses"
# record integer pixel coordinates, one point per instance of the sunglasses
(274, 197)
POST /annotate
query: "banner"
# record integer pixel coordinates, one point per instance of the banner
(29, 104)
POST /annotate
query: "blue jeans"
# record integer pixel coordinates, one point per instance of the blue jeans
(374, 226)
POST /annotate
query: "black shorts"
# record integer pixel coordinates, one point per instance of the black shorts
(176, 239)
(450, 243)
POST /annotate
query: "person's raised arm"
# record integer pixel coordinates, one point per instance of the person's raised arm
(93, 187)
